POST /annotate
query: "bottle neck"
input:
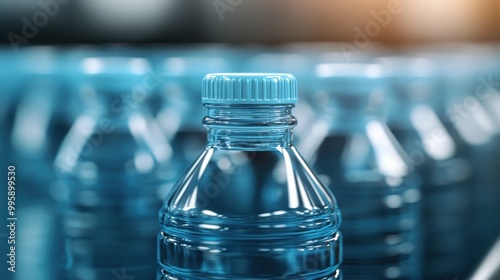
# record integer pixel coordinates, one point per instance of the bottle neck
(116, 104)
(347, 112)
(249, 127)
(349, 121)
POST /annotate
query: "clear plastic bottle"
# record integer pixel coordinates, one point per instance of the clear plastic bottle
(34, 123)
(465, 91)
(10, 75)
(181, 113)
(225, 218)
(416, 111)
(351, 147)
(36, 119)
(112, 161)
(9, 79)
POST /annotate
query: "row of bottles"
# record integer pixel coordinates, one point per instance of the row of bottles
(407, 142)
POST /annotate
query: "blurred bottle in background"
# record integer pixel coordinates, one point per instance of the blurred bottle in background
(486, 158)
(9, 74)
(9, 77)
(34, 121)
(112, 161)
(179, 74)
(488, 89)
(300, 59)
(466, 74)
(415, 111)
(216, 226)
(353, 151)
(39, 116)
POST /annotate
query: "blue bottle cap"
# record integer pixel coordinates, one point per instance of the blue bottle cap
(249, 88)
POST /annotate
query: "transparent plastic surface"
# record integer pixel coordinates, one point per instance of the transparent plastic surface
(488, 164)
(467, 90)
(249, 207)
(112, 188)
(446, 176)
(353, 151)
(379, 198)
(33, 121)
(180, 121)
(181, 113)
(446, 207)
(112, 163)
(418, 120)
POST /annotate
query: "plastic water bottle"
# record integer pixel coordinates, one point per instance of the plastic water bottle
(35, 122)
(476, 134)
(181, 113)
(488, 158)
(8, 73)
(416, 120)
(112, 161)
(216, 226)
(10, 79)
(299, 59)
(9, 76)
(483, 87)
(354, 152)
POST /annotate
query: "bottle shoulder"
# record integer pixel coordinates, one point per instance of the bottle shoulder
(251, 189)
(368, 151)
(106, 147)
